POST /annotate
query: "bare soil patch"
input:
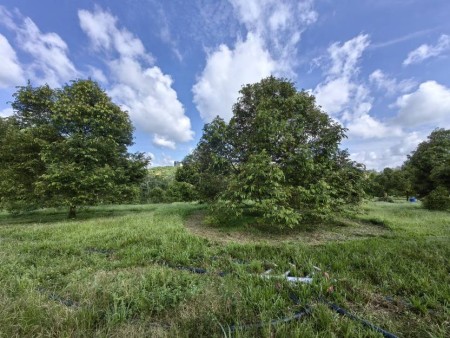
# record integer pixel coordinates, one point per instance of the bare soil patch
(311, 235)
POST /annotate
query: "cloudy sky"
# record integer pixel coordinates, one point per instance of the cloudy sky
(379, 67)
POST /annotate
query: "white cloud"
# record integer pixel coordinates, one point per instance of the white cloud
(340, 92)
(163, 161)
(428, 105)
(345, 57)
(270, 47)
(226, 71)
(427, 51)
(343, 95)
(50, 61)
(97, 75)
(166, 34)
(390, 85)
(142, 89)
(279, 23)
(379, 153)
(101, 27)
(366, 126)
(270, 17)
(334, 95)
(11, 73)
(6, 112)
(163, 142)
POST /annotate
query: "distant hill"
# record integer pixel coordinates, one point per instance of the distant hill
(165, 173)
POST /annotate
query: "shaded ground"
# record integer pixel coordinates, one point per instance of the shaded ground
(318, 234)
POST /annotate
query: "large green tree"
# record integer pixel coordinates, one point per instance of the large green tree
(278, 157)
(67, 147)
(429, 164)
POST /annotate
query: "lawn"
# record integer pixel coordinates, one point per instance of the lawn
(138, 270)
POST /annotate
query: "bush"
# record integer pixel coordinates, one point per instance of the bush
(181, 192)
(438, 199)
(157, 195)
(388, 199)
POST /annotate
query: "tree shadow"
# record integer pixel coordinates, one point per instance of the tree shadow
(54, 215)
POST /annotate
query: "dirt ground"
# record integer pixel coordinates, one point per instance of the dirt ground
(312, 235)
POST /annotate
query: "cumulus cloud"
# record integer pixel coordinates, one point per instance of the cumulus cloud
(428, 105)
(50, 61)
(426, 51)
(343, 95)
(163, 142)
(366, 126)
(334, 95)
(140, 87)
(389, 84)
(11, 73)
(380, 153)
(273, 30)
(226, 71)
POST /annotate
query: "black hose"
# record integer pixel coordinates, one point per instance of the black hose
(344, 312)
(296, 316)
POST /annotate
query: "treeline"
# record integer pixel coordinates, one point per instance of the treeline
(160, 186)
(425, 174)
(278, 160)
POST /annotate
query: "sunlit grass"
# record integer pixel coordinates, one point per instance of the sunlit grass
(115, 271)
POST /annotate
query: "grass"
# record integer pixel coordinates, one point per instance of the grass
(115, 272)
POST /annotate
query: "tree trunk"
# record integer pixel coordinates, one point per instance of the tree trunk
(72, 212)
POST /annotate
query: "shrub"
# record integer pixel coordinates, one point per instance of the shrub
(388, 199)
(157, 195)
(438, 199)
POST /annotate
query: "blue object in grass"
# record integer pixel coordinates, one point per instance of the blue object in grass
(412, 199)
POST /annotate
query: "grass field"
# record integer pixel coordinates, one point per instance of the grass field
(123, 271)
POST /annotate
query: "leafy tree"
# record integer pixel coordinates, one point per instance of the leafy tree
(390, 182)
(279, 154)
(209, 167)
(73, 149)
(429, 164)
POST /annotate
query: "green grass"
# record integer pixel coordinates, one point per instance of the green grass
(113, 273)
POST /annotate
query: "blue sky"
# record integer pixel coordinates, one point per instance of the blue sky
(379, 67)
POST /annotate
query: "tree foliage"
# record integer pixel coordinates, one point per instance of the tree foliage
(278, 156)
(67, 147)
(389, 182)
(160, 186)
(438, 199)
(429, 164)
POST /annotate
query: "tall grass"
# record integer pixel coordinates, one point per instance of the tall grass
(124, 271)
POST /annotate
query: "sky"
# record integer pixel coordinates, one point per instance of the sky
(381, 68)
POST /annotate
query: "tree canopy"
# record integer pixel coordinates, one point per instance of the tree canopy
(429, 164)
(278, 158)
(67, 147)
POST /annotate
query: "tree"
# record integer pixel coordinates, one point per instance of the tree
(73, 149)
(279, 154)
(390, 182)
(429, 164)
